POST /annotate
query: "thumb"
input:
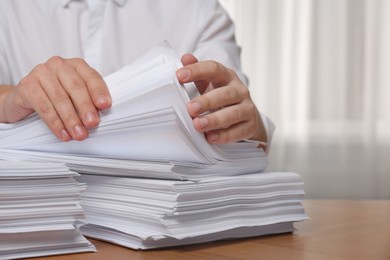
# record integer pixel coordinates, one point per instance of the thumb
(188, 58)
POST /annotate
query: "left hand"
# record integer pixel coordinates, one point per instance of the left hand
(232, 114)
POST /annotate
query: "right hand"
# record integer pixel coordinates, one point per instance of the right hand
(66, 93)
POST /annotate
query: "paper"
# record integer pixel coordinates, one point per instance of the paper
(39, 210)
(148, 213)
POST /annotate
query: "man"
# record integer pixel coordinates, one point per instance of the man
(105, 35)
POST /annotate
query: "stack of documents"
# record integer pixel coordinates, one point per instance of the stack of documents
(153, 180)
(149, 213)
(39, 208)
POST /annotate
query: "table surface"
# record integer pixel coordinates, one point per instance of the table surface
(338, 229)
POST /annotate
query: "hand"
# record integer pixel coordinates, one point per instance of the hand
(66, 93)
(232, 114)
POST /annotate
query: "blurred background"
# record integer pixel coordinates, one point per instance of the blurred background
(320, 69)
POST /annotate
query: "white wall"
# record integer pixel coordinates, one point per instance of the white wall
(319, 69)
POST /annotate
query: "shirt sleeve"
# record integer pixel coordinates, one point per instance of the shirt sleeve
(3, 69)
(216, 39)
(4, 72)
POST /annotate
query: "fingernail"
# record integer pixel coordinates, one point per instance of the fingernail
(79, 131)
(203, 122)
(183, 74)
(213, 137)
(65, 135)
(103, 100)
(195, 107)
(91, 117)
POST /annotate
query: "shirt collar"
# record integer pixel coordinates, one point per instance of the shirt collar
(65, 3)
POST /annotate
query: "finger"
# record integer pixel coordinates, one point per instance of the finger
(40, 102)
(61, 102)
(214, 99)
(222, 118)
(79, 94)
(97, 88)
(238, 132)
(211, 71)
(187, 59)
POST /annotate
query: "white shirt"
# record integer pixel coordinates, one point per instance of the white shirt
(93, 44)
(110, 34)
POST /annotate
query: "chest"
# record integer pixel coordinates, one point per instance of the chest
(125, 34)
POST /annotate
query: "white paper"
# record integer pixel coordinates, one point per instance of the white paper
(39, 209)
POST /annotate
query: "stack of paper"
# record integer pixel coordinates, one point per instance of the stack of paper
(148, 213)
(153, 180)
(145, 169)
(39, 208)
(148, 121)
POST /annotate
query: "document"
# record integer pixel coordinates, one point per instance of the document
(40, 210)
(148, 213)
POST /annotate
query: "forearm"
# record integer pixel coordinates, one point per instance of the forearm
(5, 90)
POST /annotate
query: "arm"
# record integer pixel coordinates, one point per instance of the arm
(66, 93)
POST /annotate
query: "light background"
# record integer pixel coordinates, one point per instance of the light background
(321, 70)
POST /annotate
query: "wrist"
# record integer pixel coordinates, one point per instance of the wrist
(261, 133)
(5, 92)
(11, 105)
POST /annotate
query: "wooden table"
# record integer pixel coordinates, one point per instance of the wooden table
(338, 229)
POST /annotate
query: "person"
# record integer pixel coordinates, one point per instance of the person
(54, 54)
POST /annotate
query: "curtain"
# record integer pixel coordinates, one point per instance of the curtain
(319, 69)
